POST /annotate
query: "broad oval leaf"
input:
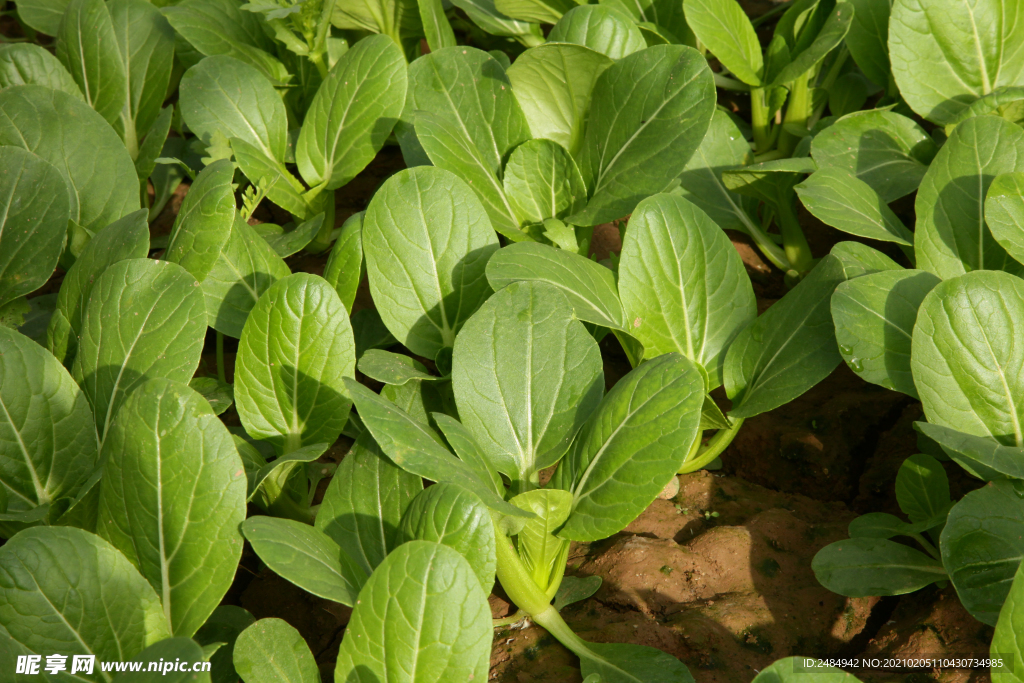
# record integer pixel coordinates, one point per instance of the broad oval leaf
(33, 224)
(455, 517)
(1004, 213)
(526, 376)
(922, 489)
(28, 64)
(48, 444)
(874, 317)
(223, 95)
(295, 349)
(352, 113)
(946, 56)
(144, 320)
(393, 368)
(838, 198)
(542, 181)
(172, 498)
(82, 146)
(603, 29)
(272, 651)
(203, 224)
(87, 46)
(723, 27)
(42, 15)
(427, 240)
(632, 445)
(968, 365)
(66, 590)
(982, 548)
(307, 557)
(146, 42)
(682, 283)
(364, 503)
(446, 631)
(1008, 640)
(865, 566)
(648, 115)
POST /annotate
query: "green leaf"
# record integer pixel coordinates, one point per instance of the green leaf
(172, 650)
(980, 455)
(602, 29)
(922, 489)
(69, 591)
(416, 448)
(887, 151)
(220, 395)
(66, 132)
(48, 444)
(272, 651)
(295, 349)
(486, 15)
(224, 626)
(42, 15)
(575, 589)
(370, 331)
(542, 181)
(467, 120)
(33, 224)
(124, 239)
(1004, 101)
(536, 11)
(526, 377)
(144, 320)
(553, 85)
(589, 286)
(344, 268)
(41, 309)
(87, 47)
(286, 244)
(172, 497)
(682, 283)
(455, 517)
(146, 43)
(723, 148)
(244, 271)
(965, 357)
(867, 39)
(445, 633)
(281, 187)
(723, 27)
(541, 551)
(268, 483)
(874, 317)
(769, 181)
(827, 39)
(352, 113)
(861, 567)
(791, 670)
(307, 557)
(627, 663)
(28, 64)
(364, 503)
(153, 144)
(427, 240)
(943, 58)
(465, 446)
(632, 445)
(393, 368)
(226, 96)
(664, 16)
(877, 525)
(840, 199)
(1004, 213)
(982, 548)
(203, 224)
(438, 30)
(1008, 640)
(649, 114)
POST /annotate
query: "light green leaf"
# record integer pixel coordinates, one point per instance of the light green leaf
(393, 368)
(352, 113)
(665, 16)
(268, 483)
(1008, 640)
(427, 240)
(874, 317)
(144, 320)
(982, 548)
(286, 244)
(553, 84)
(455, 517)
(827, 39)
(172, 498)
(48, 444)
(445, 633)
(344, 268)
(1004, 213)
(526, 376)
(980, 455)
(272, 651)
(436, 26)
(946, 56)
(682, 283)
(66, 132)
(1005, 101)
(88, 49)
(632, 445)
(465, 446)
(245, 270)
(887, 151)
(203, 224)
(602, 29)
(146, 43)
(922, 489)
(28, 64)
(281, 186)
(42, 15)
(627, 663)
(307, 557)
(838, 198)
(966, 361)
(69, 591)
(33, 223)
(867, 39)
(542, 181)
(220, 395)
(723, 27)
(295, 349)
(541, 551)
(864, 566)
(649, 114)
(487, 16)
(169, 650)
(536, 11)
(364, 503)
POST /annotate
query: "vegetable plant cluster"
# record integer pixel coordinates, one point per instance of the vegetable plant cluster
(482, 434)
